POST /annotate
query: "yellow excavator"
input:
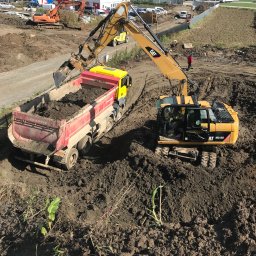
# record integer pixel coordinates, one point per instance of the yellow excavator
(187, 128)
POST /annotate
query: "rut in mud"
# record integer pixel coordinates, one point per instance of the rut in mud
(106, 200)
(70, 103)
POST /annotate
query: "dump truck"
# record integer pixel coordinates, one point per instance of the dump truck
(64, 122)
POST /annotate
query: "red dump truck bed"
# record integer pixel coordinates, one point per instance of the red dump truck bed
(47, 135)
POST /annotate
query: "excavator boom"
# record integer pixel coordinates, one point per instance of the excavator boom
(108, 28)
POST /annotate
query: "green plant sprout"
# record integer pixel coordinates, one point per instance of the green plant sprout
(58, 251)
(52, 209)
(154, 215)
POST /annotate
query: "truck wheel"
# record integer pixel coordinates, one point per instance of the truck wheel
(84, 145)
(119, 114)
(71, 158)
(212, 160)
(110, 123)
(114, 43)
(126, 39)
(204, 159)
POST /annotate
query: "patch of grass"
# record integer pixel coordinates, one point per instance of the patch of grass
(121, 58)
(52, 209)
(225, 27)
(240, 5)
(69, 18)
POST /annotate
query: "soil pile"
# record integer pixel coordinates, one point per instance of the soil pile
(12, 20)
(107, 200)
(70, 103)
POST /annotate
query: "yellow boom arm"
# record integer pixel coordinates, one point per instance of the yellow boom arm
(108, 28)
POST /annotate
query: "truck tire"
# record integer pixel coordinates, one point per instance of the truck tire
(114, 43)
(119, 114)
(126, 39)
(110, 123)
(71, 158)
(84, 145)
(204, 159)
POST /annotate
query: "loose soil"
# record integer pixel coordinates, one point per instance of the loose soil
(106, 200)
(70, 103)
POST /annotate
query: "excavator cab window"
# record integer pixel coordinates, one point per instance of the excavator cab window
(173, 121)
(194, 129)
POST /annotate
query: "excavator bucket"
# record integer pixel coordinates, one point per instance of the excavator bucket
(61, 74)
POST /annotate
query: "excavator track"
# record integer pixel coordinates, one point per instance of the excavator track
(49, 26)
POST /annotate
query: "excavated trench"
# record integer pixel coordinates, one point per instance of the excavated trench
(107, 202)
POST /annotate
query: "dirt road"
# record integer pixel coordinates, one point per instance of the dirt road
(27, 81)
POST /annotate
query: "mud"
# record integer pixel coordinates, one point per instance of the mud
(107, 198)
(70, 103)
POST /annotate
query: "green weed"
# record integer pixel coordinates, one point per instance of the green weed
(52, 208)
(156, 216)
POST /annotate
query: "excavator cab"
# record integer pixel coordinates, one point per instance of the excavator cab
(184, 123)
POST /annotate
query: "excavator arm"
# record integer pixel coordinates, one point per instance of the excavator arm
(107, 29)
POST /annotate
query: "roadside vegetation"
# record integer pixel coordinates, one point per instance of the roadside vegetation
(123, 57)
(225, 28)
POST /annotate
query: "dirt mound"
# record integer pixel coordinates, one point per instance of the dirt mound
(107, 199)
(12, 20)
(70, 103)
(202, 7)
(107, 204)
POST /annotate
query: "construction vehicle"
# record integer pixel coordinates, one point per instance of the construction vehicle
(51, 19)
(61, 140)
(187, 128)
(119, 39)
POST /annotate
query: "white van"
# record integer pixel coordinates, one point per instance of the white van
(183, 14)
(100, 12)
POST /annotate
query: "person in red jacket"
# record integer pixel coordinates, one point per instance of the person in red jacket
(189, 61)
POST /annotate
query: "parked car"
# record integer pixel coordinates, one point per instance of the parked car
(157, 12)
(149, 9)
(162, 10)
(6, 6)
(141, 10)
(183, 14)
(101, 13)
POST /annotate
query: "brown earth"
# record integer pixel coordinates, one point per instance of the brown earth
(70, 103)
(22, 44)
(106, 199)
(23, 47)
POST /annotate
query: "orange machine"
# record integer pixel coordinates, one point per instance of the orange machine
(52, 18)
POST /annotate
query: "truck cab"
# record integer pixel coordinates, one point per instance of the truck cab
(125, 81)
